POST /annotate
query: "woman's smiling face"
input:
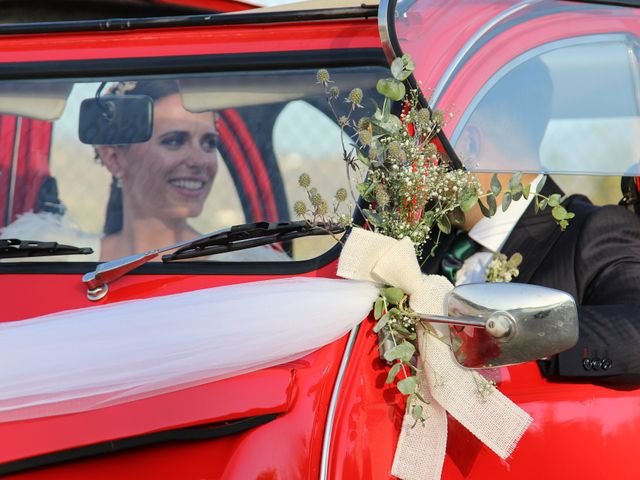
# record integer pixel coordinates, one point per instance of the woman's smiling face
(170, 176)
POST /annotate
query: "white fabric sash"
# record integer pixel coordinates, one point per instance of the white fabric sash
(94, 357)
(488, 414)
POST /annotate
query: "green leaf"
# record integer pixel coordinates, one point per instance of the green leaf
(444, 224)
(381, 323)
(408, 385)
(372, 217)
(485, 211)
(393, 295)
(416, 412)
(543, 204)
(558, 212)
(526, 191)
(563, 224)
(408, 62)
(468, 200)
(391, 88)
(493, 206)
(541, 184)
(516, 196)
(393, 372)
(555, 199)
(397, 66)
(496, 188)
(506, 201)
(457, 216)
(404, 351)
(515, 182)
(378, 307)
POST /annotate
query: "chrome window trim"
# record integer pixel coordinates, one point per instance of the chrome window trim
(333, 404)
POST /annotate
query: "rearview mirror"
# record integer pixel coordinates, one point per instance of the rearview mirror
(515, 323)
(116, 120)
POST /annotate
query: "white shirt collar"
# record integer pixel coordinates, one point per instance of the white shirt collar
(492, 233)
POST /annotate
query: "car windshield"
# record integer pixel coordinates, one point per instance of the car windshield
(524, 93)
(125, 165)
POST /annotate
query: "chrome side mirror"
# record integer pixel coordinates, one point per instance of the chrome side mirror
(496, 324)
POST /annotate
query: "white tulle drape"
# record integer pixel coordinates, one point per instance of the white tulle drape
(99, 356)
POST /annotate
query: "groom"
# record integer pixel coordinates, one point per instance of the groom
(596, 259)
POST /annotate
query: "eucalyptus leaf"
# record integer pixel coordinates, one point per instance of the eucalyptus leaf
(444, 224)
(468, 200)
(554, 200)
(372, 217)
(526, 191)
(515, 182)
(391, 88)
(384, 319)
(408, 385)
(543, 204)
(409, 64)
(484, 209)
(397, 66)
(417, 412)
(393, 295)
(496, 188)
(404, 351)
(493, 205)
(558, 212)
(378, 308)
(506, 201)
(457, 216)
(395, 369)
(541, 184)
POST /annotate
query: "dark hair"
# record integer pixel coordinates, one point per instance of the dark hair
(517, 109)
(156, 89)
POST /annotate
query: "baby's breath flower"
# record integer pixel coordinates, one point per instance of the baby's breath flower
(299, 208)
(323, 76)
(355, 96)
(341, 195)
(430, 150)
(304, 180)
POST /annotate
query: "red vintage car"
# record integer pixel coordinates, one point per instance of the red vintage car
(329, 414)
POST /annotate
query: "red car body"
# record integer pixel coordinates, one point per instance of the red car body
(322, 428)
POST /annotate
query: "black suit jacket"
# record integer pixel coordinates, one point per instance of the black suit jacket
(597, 260)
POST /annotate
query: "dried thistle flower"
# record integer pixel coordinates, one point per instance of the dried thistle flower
(304, 180)
(322, 209)
(365, 137)
(341, 195)
(334, 92)
(323, 77)
(355, 96)
(299, 208)
(316, 199)
(364, 123)
(343, 121)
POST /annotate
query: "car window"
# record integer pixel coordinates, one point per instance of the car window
(565, 107)
(224, 149)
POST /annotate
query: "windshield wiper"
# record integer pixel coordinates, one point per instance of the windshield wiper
(16, 248)
(239, 237)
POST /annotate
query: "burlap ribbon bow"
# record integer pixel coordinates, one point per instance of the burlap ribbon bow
(448, 387)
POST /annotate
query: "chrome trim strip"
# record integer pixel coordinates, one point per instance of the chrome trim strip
(14, 170)
(446, 77)
(383, 29)
(326, 441)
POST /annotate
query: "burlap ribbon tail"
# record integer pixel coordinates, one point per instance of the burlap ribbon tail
(445, 385)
